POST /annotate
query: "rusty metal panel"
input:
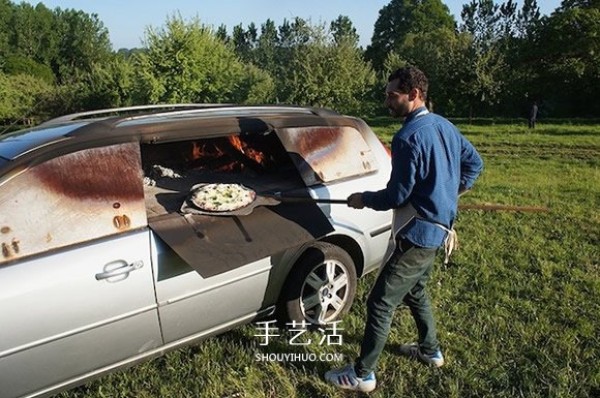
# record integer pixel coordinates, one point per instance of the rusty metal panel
(213, 245)
(327, 153)
(71, 199)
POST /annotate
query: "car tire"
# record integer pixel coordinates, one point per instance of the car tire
(320, 287)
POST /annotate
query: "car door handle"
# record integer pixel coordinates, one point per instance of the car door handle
(125, 269)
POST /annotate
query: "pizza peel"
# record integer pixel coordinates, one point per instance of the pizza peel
(276, 198)
(260, 199)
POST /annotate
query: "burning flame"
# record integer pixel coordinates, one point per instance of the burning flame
(243, 147)
(196, 151)
(236, 142)
(224, 154)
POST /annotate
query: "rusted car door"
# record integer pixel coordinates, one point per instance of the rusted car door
(76, 282)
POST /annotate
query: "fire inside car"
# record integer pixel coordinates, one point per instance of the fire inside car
(285, 161)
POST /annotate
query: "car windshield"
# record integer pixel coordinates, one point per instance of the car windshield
(17, 143)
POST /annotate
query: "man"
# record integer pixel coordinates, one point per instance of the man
(432, 163)
(533, 115)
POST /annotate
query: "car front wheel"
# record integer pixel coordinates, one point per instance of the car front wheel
(321, 286)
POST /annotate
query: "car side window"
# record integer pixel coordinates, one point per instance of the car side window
(325, 154)
(71, 199)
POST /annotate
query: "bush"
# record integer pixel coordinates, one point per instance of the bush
(21, 97)
(17, 65)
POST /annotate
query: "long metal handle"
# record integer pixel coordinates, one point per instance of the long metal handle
(302, 199)
(339, 201)
(127, 268)
(306, 199)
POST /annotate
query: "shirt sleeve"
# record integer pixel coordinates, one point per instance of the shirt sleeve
(471, 164)
(402, 179)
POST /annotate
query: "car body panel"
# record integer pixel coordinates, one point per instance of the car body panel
(189, 303)
(216, 244)
(80, 196)
(367, 227)
(59, 320)
(327, 153)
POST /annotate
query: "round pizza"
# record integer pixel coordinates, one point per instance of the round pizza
(222, 197)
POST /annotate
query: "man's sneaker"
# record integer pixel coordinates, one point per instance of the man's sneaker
(346, 378)
(412, 351)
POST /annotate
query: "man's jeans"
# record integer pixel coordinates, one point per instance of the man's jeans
(402, 279)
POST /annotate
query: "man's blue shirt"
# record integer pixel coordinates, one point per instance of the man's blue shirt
(431, 161)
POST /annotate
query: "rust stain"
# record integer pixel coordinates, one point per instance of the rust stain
(6, 251)
(5, 230)
(121, 222)
(15, 246)
(318, 139)
(96, 173)
(48, 238)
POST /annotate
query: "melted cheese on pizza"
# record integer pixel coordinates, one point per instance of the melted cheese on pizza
(222, 197)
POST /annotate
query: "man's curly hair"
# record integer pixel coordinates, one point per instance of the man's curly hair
(410, 77)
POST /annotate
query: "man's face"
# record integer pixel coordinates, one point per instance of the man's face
(396, 101)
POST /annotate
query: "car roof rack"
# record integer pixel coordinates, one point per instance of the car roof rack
(164, 109)
(129, 109)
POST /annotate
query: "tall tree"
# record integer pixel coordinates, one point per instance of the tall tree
(343, 30)
(28, 40)
(508, 19)
(245, 41)
(570, 4)
(528, 18)
(569, 59)
(6, 10)
(32, 32)
(480, 19)
(322, 71)
(400, 18)
(268, 41)
(83, 42)
(490, 27)
(222, 33)
(186, 62)
(47, 36)
(522, 65)
(442, 54)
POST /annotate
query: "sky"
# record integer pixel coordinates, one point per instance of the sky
(127, 20)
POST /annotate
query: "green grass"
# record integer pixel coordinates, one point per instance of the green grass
(518, 308)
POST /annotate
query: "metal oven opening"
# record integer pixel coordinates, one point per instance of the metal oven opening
(258, 161)
(214, 244)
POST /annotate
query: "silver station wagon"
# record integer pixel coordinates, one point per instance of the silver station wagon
(105, 262)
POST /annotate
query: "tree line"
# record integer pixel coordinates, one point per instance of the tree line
(495, 61)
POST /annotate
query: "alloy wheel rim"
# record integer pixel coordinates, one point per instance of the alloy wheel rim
(325, 292)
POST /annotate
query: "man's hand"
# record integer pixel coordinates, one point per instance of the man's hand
(355, 201)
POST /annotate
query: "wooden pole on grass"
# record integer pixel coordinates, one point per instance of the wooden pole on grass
(499, 207)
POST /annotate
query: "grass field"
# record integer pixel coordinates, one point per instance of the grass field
(518, 308)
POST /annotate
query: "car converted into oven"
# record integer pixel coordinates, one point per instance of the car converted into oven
(105, 263)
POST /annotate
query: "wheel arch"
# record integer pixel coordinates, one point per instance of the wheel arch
(351, 247)
(310, 260)
(292, 258)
